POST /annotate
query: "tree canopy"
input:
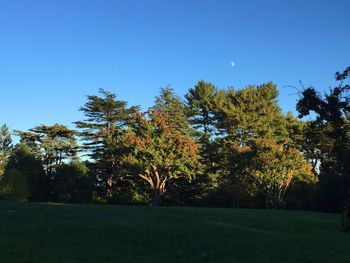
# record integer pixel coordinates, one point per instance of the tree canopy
(214, 147)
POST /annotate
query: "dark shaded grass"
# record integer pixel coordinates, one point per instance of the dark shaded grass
(91, 233)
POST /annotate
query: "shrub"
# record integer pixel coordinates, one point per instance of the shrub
(14, 186)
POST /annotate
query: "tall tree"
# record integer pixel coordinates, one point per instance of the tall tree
(274, 167)
(52, 144)
(158, 152)
(263, 168)
(200, 102)
(328, 134)
(106, 121)
(245, 119)
(250, 113)
(174, 110)
(5, 147)
(183, 190)
(30, 168)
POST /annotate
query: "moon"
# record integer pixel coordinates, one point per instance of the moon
(232, 63)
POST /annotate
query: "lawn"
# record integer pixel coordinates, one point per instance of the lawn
(99, 233)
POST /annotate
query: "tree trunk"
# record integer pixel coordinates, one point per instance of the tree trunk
(346, 219)
(155, 196)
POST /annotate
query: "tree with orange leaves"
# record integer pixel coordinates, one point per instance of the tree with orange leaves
(158, 153)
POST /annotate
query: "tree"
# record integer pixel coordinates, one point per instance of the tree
(264, 168)
(295, 131)
(250, 113)
(71, 183)
(23, 161)
(106, 121)
(328, 137)
(174, 110)
(273, 167)
(243, 117)
(14, 186)
(158, 153)
(52, 144)
(5, 147)
(183, 190)
(200, 105)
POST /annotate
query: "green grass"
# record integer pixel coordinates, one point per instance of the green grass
(91, 233)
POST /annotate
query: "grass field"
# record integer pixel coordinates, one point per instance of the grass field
(91, 233)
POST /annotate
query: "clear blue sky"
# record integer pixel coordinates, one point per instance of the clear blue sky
(54, 53)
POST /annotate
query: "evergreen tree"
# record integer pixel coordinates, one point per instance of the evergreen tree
(250, 113)
(245, 119)
(173, 109)
(183, 190)
(200, 106)
(52, 144)
(106, 121)
(5, 147)
(295, 131)
(158, 153)
(31, 168)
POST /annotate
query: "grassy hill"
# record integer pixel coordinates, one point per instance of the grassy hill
(90, 233)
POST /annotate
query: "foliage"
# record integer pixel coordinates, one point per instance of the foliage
(24, 161)
(250, 113)
(14, 186)
(232, 147)
(52, 144)
(328, 138)
(106, 122)
(172, 107)
(263, 168)
(200, 102)
(5, 147)
(71, 183)
(158, 153)
(255, 136)
(273, 168)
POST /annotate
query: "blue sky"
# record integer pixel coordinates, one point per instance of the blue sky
(54, 53)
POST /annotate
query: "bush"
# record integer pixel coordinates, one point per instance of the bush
(25, 162)
(14, 186)
(71, 184)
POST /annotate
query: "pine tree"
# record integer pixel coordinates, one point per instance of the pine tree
(251, 113)
(106, 121)
(5, 147)
(51, 144)
(245, 119)
(200, 102)
(173, 109)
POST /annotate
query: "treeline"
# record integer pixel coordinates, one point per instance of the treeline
(216, 147)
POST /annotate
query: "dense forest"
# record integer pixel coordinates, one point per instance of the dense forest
(215, 147)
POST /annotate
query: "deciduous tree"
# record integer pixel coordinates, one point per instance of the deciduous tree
(328, 137)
